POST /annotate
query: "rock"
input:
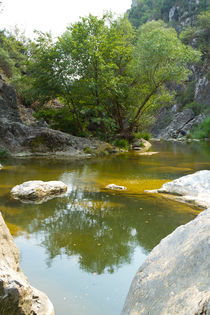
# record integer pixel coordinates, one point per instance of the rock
(148, 153)
(193, 123)
(39, 191)
(17, 296)
(115, 187)
(1, 166)
(174, 279)
(22, 135)
(178, 123)
(194, 188)
(141, 145)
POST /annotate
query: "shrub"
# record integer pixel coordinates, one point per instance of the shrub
(196, 107)
(88, 150)
(203, 130)
(122, 143)
(3, 153)
(142, 135)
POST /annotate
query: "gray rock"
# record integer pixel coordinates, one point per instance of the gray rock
(38, 191)
(178, 123)
(20, 136)
(17, 296)
(175, 277)
(193, 188)
(193, 123)
(115, 187)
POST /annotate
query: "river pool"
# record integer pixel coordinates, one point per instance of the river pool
(84, 249)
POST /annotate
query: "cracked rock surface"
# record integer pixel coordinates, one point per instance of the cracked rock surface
(17, 296)
(175, 277)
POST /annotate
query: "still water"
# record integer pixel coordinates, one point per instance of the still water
(84, 249)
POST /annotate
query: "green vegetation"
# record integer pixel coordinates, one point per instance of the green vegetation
(88, 150)
(110, 77)
(4, 154)
(147, 10)
(122, 144)
(142, 135)
(203, 130)
(196, 107)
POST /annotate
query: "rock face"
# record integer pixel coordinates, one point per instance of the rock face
(38, 191)
(181, 124)
(17, 137)
(174, 279)
(193, 188)
(16, 295)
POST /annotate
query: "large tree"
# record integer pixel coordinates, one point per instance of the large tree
(106, 76)
(160, 61)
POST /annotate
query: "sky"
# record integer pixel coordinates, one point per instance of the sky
(53, 15)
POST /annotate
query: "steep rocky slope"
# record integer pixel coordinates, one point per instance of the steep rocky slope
(192, 105)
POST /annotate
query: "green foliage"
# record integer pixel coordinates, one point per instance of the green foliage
(4, 154)
(187, 96)
(195, 106)
(122, 143)
(198, 35)
(147, 10)
(160, 58)
(142, 135)
(203, 130)
(88, 150)
(60, 119)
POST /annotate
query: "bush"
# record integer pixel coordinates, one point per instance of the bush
(122, 143)
(196, 107)
(203, 130)
(60, 119)
(88, 150)
(4, 154)
(142, 135)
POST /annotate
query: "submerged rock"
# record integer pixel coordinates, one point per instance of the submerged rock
(194, 188)
(17, 296)
(38, 191)
(115, 187)
(174, 279)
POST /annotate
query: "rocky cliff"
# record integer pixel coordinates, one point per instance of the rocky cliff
(17, 296)
(192, 104)
(17, 137)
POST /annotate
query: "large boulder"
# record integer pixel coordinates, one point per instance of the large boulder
(174, 279)
(194, 188)
(38, 191)
(17, 296)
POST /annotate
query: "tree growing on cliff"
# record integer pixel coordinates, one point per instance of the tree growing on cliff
(160, 60)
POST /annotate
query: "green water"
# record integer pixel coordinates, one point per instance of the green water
(84, 249)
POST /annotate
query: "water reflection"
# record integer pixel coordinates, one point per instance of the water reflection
(68, 241)
(97, 227)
